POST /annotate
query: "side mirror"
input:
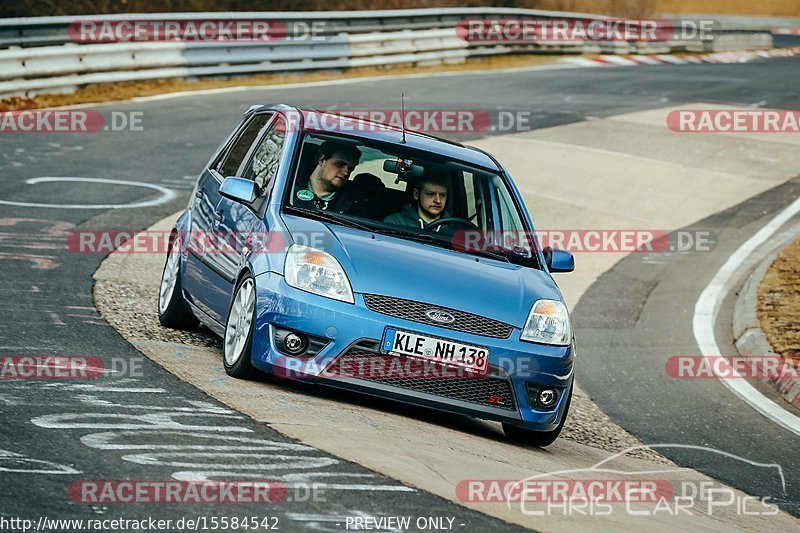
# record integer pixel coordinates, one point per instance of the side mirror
(558, 260)
(239, 190)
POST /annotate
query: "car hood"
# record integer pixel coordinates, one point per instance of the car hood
(390, 266)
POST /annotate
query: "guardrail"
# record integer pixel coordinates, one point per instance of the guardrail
(39, 55)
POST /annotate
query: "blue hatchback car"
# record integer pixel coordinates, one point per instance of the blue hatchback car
(357, 255)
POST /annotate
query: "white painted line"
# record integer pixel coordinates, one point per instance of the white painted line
(197, 475)
(166, 194)
(162, 421)
(14, 462)
(259, 461)
(347, 486)
(99, 388)
(705, 312)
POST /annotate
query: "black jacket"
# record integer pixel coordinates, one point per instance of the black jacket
(348, 200)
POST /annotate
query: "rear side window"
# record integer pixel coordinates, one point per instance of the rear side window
(267, 157)
(232, 160)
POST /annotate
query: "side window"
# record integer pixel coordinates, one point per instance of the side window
(267, 157)
(509, 218)
(469, 191)
(477, 194)
(229, 163)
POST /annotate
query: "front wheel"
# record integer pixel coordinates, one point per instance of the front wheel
(172, 311)
(238, 338)
(537, 438)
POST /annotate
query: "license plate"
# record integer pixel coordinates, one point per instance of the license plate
(398, 342)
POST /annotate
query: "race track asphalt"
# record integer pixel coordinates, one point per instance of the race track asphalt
(47, 304)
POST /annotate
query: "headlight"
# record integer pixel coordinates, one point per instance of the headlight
(548, 323)
(312, 270)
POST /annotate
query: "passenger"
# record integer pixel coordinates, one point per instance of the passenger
(328, 187)
(430, 199)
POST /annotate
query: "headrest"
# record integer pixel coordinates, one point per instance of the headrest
(368, 181)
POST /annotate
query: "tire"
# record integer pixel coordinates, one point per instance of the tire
(172, 310)
(237, 342)
(540, 439)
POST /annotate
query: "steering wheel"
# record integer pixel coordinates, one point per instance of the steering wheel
(454, 221)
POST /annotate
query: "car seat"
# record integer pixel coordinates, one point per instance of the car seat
(374, 189)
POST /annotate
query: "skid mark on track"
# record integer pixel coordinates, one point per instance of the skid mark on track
(33, 234)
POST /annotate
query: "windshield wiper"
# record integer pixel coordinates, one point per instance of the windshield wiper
(430, 239)
(419, 237)
(486, 253)
(329, 217)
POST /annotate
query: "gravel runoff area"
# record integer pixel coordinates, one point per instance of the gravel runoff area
(130, 307)
(778, 307)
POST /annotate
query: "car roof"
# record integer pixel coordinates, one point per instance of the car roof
(388, 133)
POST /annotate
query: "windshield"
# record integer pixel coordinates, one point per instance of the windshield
(409, 194)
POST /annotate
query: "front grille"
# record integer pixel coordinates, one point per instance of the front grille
(415, 312)
(487, 391)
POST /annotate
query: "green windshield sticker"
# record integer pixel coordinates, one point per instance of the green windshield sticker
(305, 195)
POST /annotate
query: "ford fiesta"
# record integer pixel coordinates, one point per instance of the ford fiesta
(356, 255)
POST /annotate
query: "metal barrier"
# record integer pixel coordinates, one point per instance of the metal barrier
(40, 55)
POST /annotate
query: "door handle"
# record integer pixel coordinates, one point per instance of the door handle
(218, 216)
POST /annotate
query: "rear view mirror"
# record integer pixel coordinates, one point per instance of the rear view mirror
(558, 260)
(403, 166)
(239, 190)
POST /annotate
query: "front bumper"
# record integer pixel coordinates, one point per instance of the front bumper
(354, 331)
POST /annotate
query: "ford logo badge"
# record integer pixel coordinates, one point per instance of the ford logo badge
(442, 317)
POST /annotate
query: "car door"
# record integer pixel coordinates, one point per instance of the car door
(244, 224)
(206, 282)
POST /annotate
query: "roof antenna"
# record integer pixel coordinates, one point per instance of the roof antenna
(403, 114)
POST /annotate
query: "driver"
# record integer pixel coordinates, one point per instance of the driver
(430, 199)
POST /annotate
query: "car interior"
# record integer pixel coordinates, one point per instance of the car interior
(389, 190)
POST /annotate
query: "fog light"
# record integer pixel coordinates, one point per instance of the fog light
(294, 343)
(547, 397)
(297, 343)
